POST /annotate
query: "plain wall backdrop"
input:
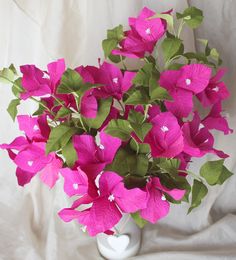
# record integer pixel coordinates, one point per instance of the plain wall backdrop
(39, 31)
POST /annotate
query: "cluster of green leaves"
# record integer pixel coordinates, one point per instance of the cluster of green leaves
(114, 36)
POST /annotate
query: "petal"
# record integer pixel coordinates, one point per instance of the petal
(23, 177)
(75, 182)
(49, 174)
(194, 77)
(56, 70)
(129, 200)
(102, 216)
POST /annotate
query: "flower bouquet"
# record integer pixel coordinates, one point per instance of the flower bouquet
(122, 138)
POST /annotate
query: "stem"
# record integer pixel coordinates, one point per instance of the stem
(121, 105)
(180, 28)
(193, 174)
(123, 63)
(42, 104)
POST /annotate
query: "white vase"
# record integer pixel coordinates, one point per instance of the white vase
(125, 242)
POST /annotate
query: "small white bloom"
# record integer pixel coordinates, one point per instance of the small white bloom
(163, 197)
(201, 126)
(111, 198)
(164, 129)
(75, 186)
(206, 140)
(101, 147)
(188, 82)
(30, 163)
(115, 80)
(216, 89)
(35, 128)
(148, 31)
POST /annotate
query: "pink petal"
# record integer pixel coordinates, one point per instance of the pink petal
(56, 70)
(33, 82)
(49, 174)
(156, 207)
(89, 105)
(23, 177)
(75, 182)
(194, 77)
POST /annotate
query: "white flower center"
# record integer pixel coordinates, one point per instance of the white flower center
(115, 80)
(148, 31)
(164, 129)
(36, 128)
(84, 228)
(206, 140)
(111, 198)
(188, 82)
(163, 197)
(101, 147)
(30, 163)
(201, 126)
(75, 186)
(216, 89)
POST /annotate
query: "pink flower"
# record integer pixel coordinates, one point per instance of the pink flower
(34, 83)
(55, 71)
(115, 83)
(75, 181)
(92, 157)
(165, 138)
(182, 103)
(182, 85)
(157, 206)
(32, 159)
(35, 128)
(106, 209)
(215, 91)
(194, 77)
(198, 141)
(215, 120)
(143, 35)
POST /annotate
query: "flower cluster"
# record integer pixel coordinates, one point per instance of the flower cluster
(123, 139)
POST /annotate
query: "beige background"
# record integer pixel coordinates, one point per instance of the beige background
(38, 31)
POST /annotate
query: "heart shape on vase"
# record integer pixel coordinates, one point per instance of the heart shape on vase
(118, 243)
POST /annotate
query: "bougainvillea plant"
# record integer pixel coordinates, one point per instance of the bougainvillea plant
(122, 139)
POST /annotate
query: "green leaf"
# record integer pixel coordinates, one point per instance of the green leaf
(140, 127)
(138, 97)
(143, 75)
(156, 92)
(138, 219)
(6, 76)
(171, 47)
(215, 172)
(40, 110)
(132, 181)
(141, 166)
(139, 147)
(70, 82)
(214, 54)
(199, 191)
(12, 108)
(17, 88)
(116, 33)
(59, 137)
(119, 128)
(169, 165)
(225, 174)
(192, 16)
(69, 153)
(108, 45)
(104, 108)
(63, 112)
(123, 163)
